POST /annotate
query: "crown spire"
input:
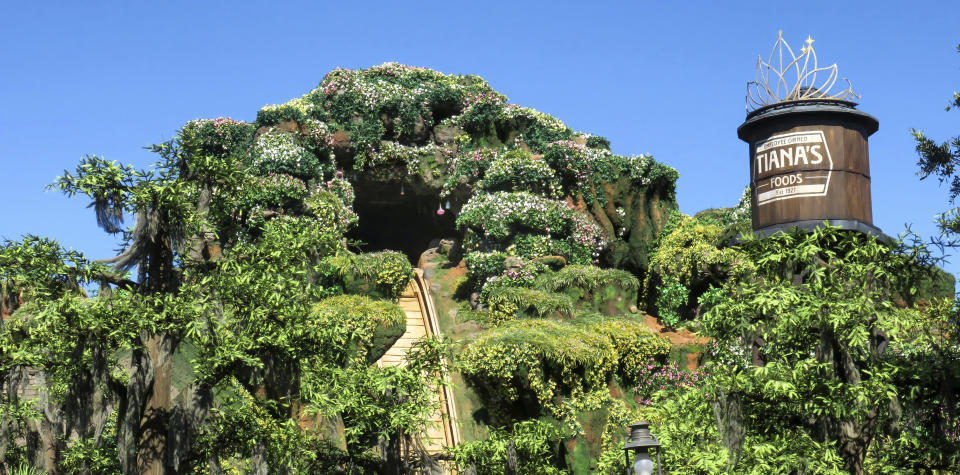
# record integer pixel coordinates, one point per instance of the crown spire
(785, 76)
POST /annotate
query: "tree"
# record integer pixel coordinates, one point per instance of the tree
(811, 339)
(941, 160)
(234, 347)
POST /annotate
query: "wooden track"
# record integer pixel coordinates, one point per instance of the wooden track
(422, 321)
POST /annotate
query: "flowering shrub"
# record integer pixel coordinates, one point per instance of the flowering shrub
(481, 265)
(414, 158)
(586, 169)
(518, 171)
(654, 377)
(296, 110)
(538, 245)
(280, 153)
(499, 216)
(392, 101)
(536, 128)
(329, 208)
(468, 168)
(340, 187)
(274, 192)
(521, 275)
(219, 137)
(317, 133)
(596, 141)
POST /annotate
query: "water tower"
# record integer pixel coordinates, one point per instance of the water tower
(809, 157)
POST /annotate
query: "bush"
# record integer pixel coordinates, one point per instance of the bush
(589, 278)
(536, 444)
(634, 342)
(550, 358)
(280, 153)
(483, 265)
(386, 273)
(222, 136)
(508, 303)
(518, 171)
(501, 216)
(353, 328)
(671, 298)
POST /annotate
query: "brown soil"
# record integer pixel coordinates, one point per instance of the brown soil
(679, 338)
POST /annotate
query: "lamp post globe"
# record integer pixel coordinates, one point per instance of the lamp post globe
(641, 441)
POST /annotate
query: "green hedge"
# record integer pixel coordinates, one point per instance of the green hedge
(549, 359)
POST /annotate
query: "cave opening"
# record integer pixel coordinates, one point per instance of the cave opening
(400, 217)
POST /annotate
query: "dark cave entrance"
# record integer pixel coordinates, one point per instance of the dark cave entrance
(394, 216)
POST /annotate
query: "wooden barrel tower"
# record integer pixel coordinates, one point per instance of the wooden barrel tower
(810, 163)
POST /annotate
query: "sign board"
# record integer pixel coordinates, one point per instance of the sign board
(793, 165)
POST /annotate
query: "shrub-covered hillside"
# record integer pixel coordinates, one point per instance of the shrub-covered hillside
(244, 338)
(239, 328)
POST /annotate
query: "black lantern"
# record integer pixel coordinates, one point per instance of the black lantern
(641, 441)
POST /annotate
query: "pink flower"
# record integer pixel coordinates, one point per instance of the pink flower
(440, 210)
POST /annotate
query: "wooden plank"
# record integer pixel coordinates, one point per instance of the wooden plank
(421, 322)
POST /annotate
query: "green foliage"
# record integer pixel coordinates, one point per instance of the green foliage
(346, 328)
(382, 402)
(686, 427)
(549, 358)
(941, 160)
(92, 456)
(634, 342)
(279, 193)
(499, 216)
(586, 170)
(536, 444)
(687, 261)
(482, 265)
(241, 257)
(820, 304)
(222, 136)
(671, 296)
(20, 416)
(508, 303)
(693, 251)
(590, 278)
(386, 272)
(596, 141)
(518, 171)
(544, 357)
(38, 268)
(280, 153)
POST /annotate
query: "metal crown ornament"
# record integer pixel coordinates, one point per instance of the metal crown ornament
(775, 81)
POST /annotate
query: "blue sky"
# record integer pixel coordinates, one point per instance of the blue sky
(666, 78)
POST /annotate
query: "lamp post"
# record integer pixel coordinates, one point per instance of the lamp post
(641, 441)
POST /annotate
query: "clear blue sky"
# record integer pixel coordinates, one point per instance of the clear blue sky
(666, 78)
